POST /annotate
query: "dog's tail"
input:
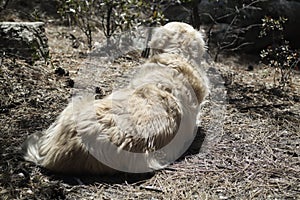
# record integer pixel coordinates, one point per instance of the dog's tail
(44, 148)
(31, 148)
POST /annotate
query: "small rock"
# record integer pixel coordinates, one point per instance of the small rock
(21, 175)
(98, 90)
(29, 191)
(70, 83)
(60, 71)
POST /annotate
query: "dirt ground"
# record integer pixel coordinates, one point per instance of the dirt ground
(248, 146)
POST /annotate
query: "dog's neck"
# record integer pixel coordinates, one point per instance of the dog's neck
(193, 60)
(189, 68)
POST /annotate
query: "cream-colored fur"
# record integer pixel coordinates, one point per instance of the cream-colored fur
(125, 130)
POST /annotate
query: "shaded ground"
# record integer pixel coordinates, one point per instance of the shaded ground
(256, 156)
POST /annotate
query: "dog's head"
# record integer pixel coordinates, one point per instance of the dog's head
(178, 38)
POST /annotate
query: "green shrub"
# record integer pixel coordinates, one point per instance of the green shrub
(110, 16)
(279, 53)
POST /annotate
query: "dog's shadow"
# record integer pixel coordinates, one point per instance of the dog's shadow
(128, 178)
(196, 145)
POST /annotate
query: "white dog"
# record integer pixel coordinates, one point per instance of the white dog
(137, 129)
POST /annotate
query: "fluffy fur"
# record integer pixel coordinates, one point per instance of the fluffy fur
(158, 109)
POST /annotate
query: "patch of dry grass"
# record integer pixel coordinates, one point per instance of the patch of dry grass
(255, 156)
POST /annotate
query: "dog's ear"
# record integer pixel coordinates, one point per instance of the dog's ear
(159, 40)
(197, 47)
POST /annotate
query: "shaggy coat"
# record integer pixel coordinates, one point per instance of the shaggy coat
(140, 128)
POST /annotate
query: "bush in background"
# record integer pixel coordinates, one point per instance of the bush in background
(278, 55)
(110, 16)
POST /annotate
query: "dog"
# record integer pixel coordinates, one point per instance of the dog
(142, 127)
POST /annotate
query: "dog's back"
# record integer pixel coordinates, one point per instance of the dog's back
(124, 131)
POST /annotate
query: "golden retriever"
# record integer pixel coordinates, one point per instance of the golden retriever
(140, 128)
